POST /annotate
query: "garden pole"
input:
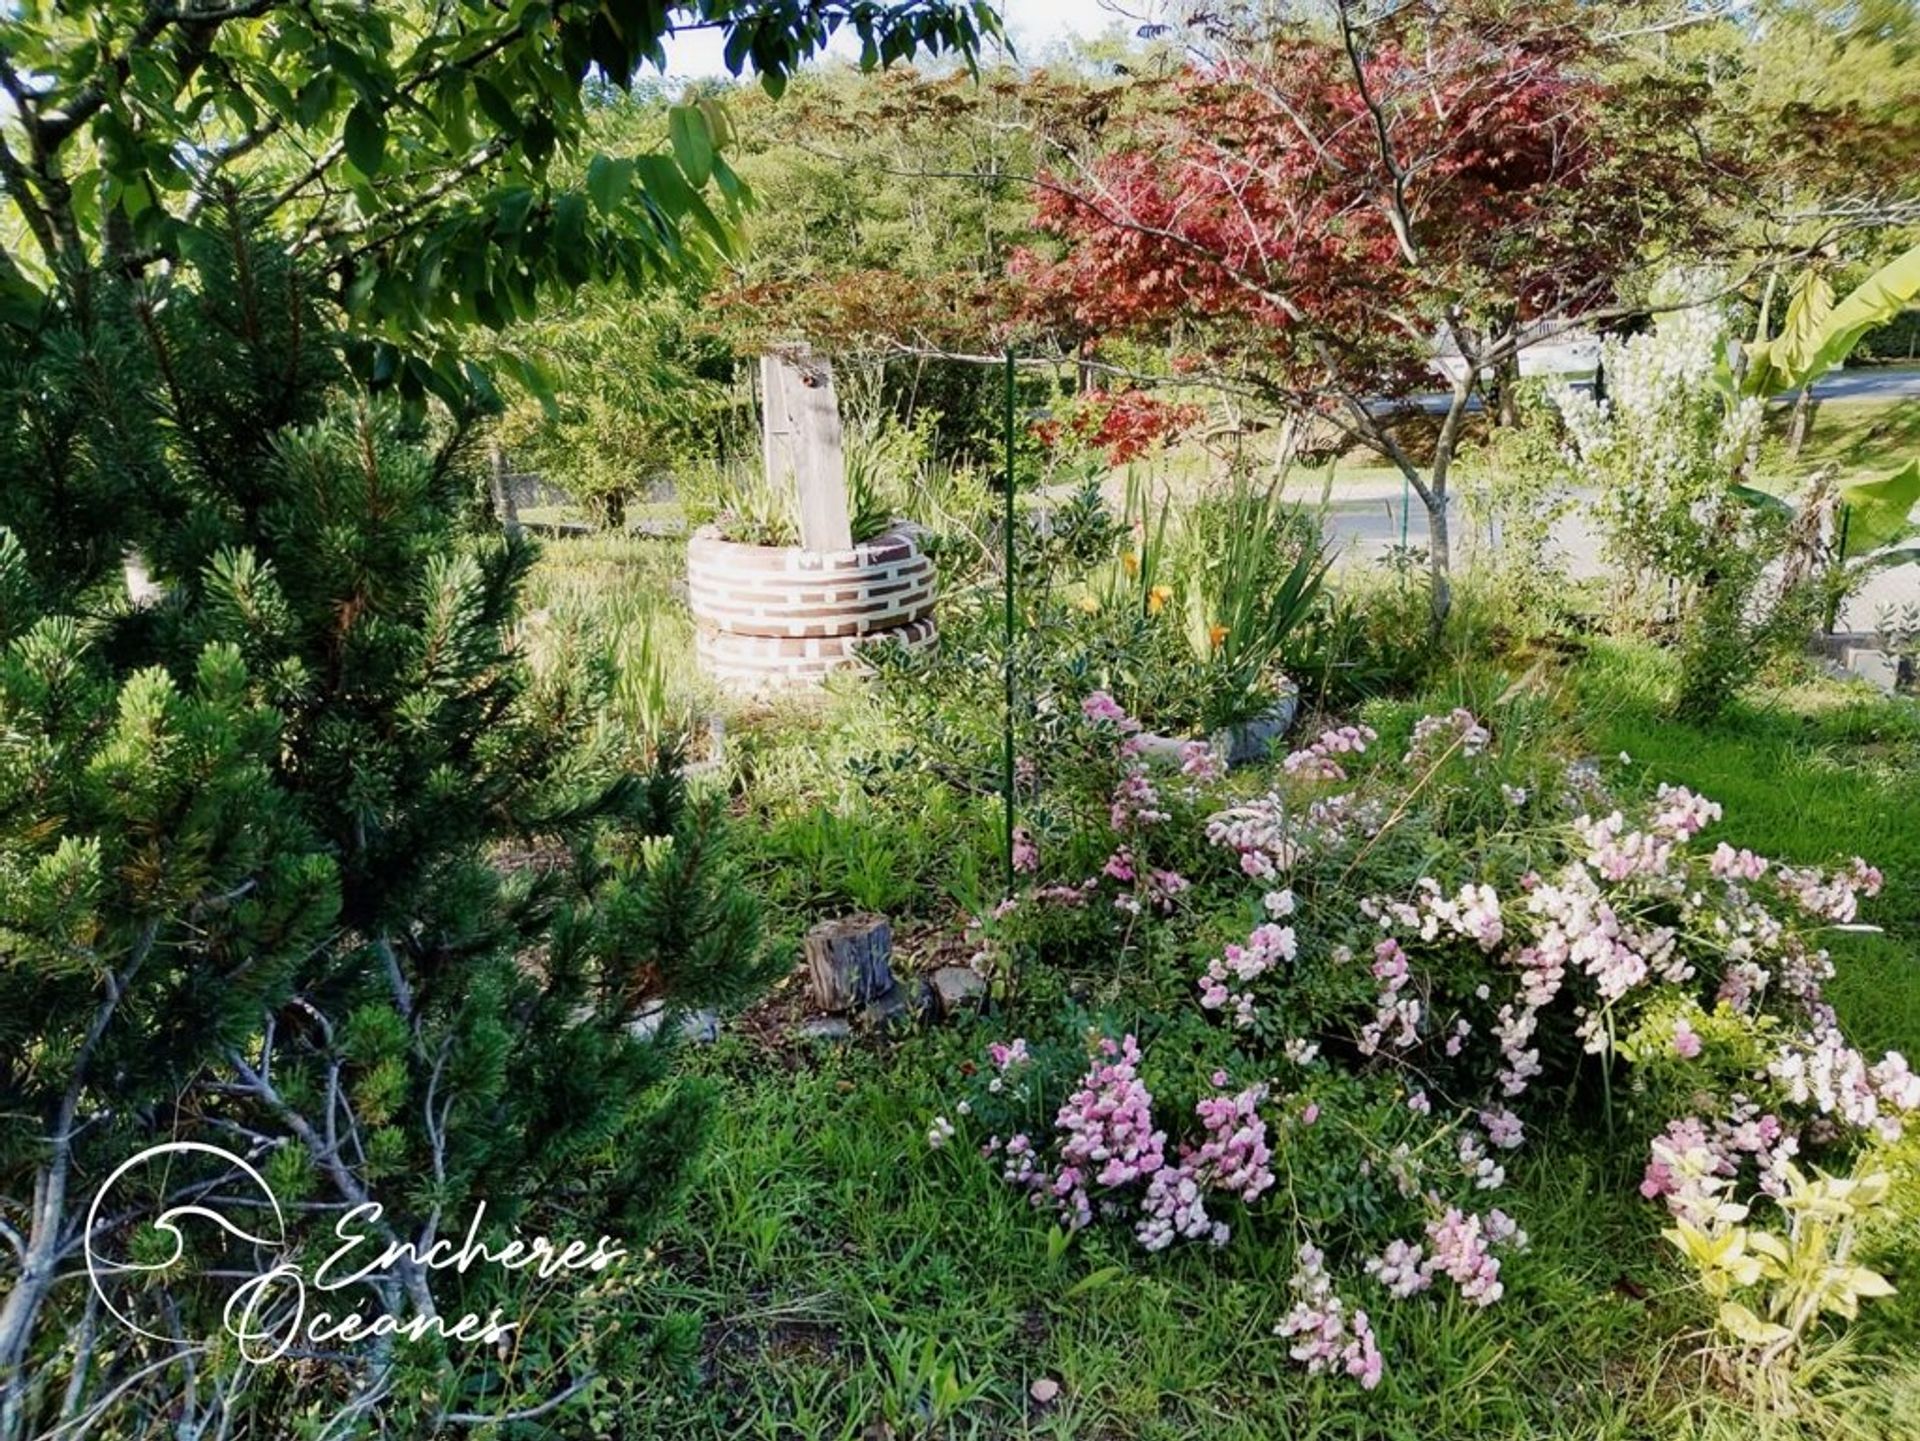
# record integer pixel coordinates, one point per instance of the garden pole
(1006, 772)
(1833, 602)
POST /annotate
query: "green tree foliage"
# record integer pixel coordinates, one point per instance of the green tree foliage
(887, 207)
(883, 208)
(642, 387)
(1820, 96)
(299, 859)
(410, 148)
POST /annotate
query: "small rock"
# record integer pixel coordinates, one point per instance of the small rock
(825, 1028)
(887, 1011)
(1045, 1390)
(959, 988)
(926, 1000)
(701, 1028)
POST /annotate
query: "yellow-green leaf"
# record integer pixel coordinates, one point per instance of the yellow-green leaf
(1741, 1322)
(1864, 1281)
(1818, 335)
(1877, 511)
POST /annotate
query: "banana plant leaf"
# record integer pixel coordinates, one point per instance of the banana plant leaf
(1770, 362)
(1877, 510)
(1818, 333)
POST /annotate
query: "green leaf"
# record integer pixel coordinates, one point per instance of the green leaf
(572, 252)
(315, 100)
(1818, 336)
(533, 378)
(664, 185)
(732, 188)
(1877, 510)
(1761, 500)
(692, 141)
(607, 182)
(495, 105)
(719, 123)
(512, 207)
(366, 139)
(1093, 1281)
(21, 302)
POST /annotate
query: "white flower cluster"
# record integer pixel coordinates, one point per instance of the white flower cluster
(1665, 445)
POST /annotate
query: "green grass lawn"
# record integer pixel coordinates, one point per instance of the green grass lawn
(835, 1278)
(1865, 439)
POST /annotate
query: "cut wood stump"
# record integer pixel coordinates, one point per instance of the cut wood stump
(849, 961)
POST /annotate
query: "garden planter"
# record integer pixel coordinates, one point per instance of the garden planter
(1238, 745)
(1858, 655)
(771, 617)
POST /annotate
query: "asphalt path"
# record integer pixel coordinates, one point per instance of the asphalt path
(1363, 530)
(1889, 382)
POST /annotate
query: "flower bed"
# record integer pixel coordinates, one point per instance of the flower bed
(1443, 946)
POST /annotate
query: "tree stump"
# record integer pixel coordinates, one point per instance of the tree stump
(848, 961)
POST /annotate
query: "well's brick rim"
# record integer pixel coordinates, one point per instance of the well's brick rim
(785, 592)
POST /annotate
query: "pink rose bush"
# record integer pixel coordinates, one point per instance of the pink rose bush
(1395, 949)
(1108, 845)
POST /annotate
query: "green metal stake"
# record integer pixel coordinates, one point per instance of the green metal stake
(1006, 775)
(1840, 559)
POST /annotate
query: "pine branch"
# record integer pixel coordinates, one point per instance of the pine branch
(326, 1154)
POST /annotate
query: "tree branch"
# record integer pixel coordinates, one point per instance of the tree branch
(1397, 214)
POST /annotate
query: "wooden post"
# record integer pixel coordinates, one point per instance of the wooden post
(801, 426)
(501, 487)
(849, 961)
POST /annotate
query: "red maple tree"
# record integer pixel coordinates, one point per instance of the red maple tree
(1313, 211)
(1122, 424)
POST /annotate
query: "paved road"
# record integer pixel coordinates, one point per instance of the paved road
(1877, 383)
(1889, 382)
(1364, 529)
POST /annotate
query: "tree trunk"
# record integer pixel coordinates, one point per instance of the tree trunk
(1085, 377)
(1439, 559)
(1506, 389)
(1287, 444)
(1439, 566)
(1802, 423)
(849, 961)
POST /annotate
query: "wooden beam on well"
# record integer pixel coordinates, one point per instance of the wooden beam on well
(801, 430)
